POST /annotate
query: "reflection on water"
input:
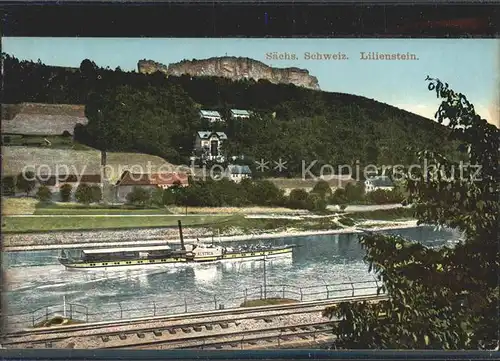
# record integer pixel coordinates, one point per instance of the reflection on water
(206, 274)
(36, 279)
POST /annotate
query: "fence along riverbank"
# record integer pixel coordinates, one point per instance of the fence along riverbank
(224, 300)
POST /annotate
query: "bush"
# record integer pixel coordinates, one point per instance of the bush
(338, 197)
(315, 203)
(297, 199)
(65, 192)
(26, 182)
(322, 188)
(157, 197)
(355, 192)
(8, 186)
(300, 199)
(175, 195)
(225, 193)
(351, 194)
(381, 196)
(84, 194)
(266, 193)
(96, 194)
(44, 194)
(139, 197)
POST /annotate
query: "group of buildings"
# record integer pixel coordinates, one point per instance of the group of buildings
(128, 181)
(207, 144)
(121, 188)
(207, 147)
(213, 116)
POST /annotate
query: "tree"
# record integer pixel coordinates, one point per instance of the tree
(381, 196)
(44, 194)
(338, 197)
(84, 194)
(96, 194)
(322, 188)
(65, 192)
(315, 203)
(439, 298)
(158, 197)
(139, 196)
(266, 193)
(297, 199)
(8, 185)
(170, 196)
(355, 192)
(157, 115)
(26, 182)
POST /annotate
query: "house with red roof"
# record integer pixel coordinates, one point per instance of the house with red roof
(150, 181)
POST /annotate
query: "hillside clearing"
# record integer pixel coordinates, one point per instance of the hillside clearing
(69, 161)
(44, 141)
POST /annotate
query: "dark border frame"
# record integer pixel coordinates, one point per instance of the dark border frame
(232, 19)
(244, 19)
(109, 355)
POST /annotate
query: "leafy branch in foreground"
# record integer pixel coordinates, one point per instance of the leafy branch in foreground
(445, 298)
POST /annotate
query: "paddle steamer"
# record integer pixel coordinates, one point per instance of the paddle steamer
(165, 255)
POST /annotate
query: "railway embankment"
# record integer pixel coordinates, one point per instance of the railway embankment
(227, 329)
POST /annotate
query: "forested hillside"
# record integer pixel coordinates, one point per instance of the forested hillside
(128, 111)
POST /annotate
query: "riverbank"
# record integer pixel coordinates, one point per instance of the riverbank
(75, 240)
(215, 222)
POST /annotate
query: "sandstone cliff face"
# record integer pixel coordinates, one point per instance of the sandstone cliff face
(233, 68)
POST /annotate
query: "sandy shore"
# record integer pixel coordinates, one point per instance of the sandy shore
(45, 243)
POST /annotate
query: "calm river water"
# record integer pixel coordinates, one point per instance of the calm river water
(36, 279)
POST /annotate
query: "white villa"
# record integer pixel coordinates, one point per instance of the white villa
(209, 144)
(237, 173)
(382, 182)
(211, 115)
(239, 114)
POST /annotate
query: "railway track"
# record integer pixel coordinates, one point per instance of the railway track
(168, 331)
(267, 337)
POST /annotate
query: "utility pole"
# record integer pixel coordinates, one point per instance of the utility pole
(265, 278)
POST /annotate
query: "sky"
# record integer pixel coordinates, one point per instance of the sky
(469, 66)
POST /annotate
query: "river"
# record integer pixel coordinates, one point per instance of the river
(36, 279)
